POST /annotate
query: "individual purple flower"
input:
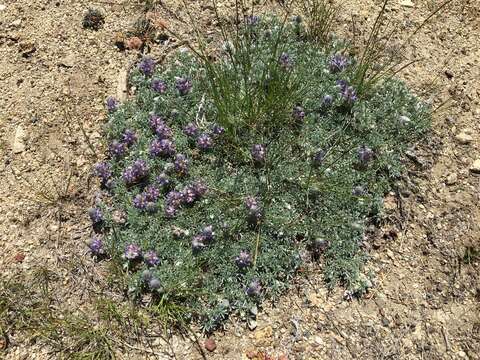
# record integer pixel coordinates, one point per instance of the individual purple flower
(151, 193)
(117, 149)
(254, 289)
(285, 61)
(140, 201)
(327, 100)
(204, 142)
(258, 153)
(129, 137)
(190, 129)
(183, 85)
(181, 164)
(365, 154)
(95, 215)
(170, 211)
(159, 86)
(147, 66)
(112, 104)
(163, 131)
(103, 171)
(338, 63)
(217, 130)
(162, 180)
(132, 252)
(96, 246)
(318, 158)
(151, 258)
(155, 121)
(164, 147)
(198, 243)
(298, 113)
(244, 259)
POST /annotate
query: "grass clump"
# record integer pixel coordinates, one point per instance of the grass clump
(223, 177)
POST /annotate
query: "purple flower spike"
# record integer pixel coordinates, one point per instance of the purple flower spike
(96, 246)
(103, 171)
(254, 289)
(95, 215)
(163, 147)
(155, 121)
(189, 195)
(152, 193)
(285, 61)
(258, 153)
(181, 164)
(252, 20)
(117, 149)
(132, 252)
(217, 130)
(140, 201)
(190, 130)
(129, 137)
(151, 258)
(365, 154)
(298, 113)
(254, 210)
(147, 66)
(244, 259)
(170, 211)
(112, 104)
(338, 63)
(183, 85)
(159, 86)
(204, 142)
(137, 171)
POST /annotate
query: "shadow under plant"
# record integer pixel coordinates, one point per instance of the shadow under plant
(223, 177)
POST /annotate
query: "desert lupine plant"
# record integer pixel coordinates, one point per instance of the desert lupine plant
(220, 177)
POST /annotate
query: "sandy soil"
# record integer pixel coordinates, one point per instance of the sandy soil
(425, 300)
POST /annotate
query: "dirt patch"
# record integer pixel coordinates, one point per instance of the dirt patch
(425, 299)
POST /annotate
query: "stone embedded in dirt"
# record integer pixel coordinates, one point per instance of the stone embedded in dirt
(464, 138)
(26, 48)
(451, 179)
(19, 257)
(210, 345)
(407, 3)
(16, 23)
(68, 61)
(18, 144)
(475, 168)
(449, 74)
(134, 43)
(2, 7)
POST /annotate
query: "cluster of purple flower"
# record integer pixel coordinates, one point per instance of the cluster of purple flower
(244, 259)
(187, 196)
(347, 92)
(338, 63)
(133, 252)
(181, 164)
(201, 240)
(191, 130)
(254, 210)
(162, 147)
(135, 172)
(183, 85)
(151, 258)
(162, 180)
(112, 104)
(147, 199)
(365, 155)
(147, 66)
(96, 246)
(103, 170)
(204, 141)
(96, 215)
(159, 86)
(159, 127)
(254, 289)
(118, 148)
(129, 137)
(258, 153)
(252, 20)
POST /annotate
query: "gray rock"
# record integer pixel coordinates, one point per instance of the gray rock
(475, 167)
(18, 144)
